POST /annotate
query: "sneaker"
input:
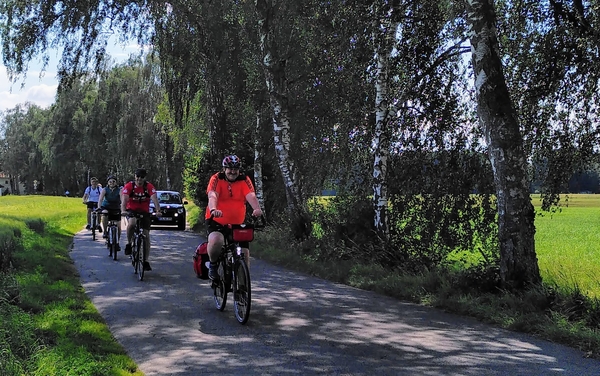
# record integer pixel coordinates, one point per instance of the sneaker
(118, 248)
(147, 266)
(88, 227)
(99, 229)
(128, 249)
(105, 236)
(213, 274)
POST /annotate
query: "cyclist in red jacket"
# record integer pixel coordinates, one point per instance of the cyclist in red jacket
(228, 191)
(135, 197)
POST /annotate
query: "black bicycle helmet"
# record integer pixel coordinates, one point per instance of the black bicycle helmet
(111, 177)
(232, 161)
(140, 173)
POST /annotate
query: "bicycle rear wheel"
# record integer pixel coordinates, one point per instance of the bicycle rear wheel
(220, 289)
(241, 291)
(141, 244)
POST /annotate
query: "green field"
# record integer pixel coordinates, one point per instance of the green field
(568, 243)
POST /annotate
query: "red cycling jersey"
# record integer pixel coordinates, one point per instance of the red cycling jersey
(139, 198)
(231, 197)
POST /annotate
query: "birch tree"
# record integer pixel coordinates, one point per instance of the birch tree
(384, 35)
(497, 117)
(274, 66)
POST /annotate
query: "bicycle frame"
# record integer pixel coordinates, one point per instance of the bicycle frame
(94, 220)
(112, 238)
(138, 245)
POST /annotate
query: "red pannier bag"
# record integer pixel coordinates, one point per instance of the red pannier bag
(242, 233)
(200, 260)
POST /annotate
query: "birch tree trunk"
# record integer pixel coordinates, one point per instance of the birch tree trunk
(274, 67)
(516, 229)
(381, 143)
(258, 161)
(381, 136)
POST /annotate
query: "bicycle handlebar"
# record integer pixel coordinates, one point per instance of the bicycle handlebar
(258, 223)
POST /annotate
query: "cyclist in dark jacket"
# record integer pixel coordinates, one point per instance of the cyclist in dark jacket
(110, 203)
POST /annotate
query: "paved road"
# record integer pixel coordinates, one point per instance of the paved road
(299, 325)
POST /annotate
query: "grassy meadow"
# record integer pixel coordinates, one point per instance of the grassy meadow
(568, 243)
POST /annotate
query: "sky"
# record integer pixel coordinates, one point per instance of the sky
(42, 91)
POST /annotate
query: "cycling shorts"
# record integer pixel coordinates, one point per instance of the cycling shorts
(145, 221)
(113, 215)
(92, 205)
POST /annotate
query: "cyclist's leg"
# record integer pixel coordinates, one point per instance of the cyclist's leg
(104, 220)
(130, 228)
(215, 243)
(89, 217)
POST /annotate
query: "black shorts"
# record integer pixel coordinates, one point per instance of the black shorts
(113, 214)
(212, 226)
(146, 222)
(92, 205)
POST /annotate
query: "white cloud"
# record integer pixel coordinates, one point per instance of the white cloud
(39, 91)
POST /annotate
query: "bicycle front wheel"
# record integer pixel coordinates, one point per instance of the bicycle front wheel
(220, 289)
(93, 227)
(241, 291)
(140, 261)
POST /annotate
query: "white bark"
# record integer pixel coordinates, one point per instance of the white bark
(276, 81)
(258, 161)
(384, 38)
(516, 229)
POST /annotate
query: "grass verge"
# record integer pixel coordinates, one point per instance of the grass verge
(48, 326)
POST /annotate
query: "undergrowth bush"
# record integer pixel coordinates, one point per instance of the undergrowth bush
(37, 225)
(10, 243)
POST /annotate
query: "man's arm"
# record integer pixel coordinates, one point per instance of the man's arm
(154, 199)
(124, 201)
(253, 201)
(213, 198)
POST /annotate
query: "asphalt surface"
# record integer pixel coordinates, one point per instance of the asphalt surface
(299, 325)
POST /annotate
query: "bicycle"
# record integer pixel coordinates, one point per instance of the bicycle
(234, 275)
(94, 221)
(138, 244)
(112, 242)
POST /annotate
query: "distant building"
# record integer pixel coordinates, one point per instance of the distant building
(6, 188)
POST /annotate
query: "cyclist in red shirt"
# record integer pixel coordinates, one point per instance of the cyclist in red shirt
(135, 197)
(228, 191)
